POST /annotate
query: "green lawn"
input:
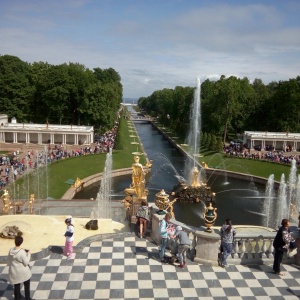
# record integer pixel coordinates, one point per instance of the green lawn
(248, 166)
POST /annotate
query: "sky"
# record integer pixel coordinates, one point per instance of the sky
(157, 44)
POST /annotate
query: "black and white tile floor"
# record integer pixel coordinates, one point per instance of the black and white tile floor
(128, 268)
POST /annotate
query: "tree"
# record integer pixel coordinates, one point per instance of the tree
(15, 89)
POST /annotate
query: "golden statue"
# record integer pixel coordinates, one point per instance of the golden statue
(5, 198)
(171, 207)
(138, 178)
(195, 177)
(77, 183)
(204, 165)
(30, 205)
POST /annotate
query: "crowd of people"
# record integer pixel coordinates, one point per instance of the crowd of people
(13, 165)
(277, 156)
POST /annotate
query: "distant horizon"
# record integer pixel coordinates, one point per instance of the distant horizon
(130, 100)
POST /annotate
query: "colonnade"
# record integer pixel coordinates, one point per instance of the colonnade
(46, 134)
(278, 140)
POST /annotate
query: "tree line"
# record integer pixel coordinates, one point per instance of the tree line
(230, 105)
(59, 94)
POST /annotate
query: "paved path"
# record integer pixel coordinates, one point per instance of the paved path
(126, 267)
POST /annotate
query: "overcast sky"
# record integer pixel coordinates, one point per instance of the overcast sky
(156, 44)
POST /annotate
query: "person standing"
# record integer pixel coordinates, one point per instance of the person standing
(227, 233)
(281, 244)
(143, 218)
(19, 271)
(184, 244)
(69, 234)
(163, 231)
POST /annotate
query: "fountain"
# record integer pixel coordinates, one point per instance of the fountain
(195, 124)
(102, 210)
(269, 200)
(196, 189)
(292, 189)
(282, 201)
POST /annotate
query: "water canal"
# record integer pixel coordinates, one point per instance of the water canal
(240, 200)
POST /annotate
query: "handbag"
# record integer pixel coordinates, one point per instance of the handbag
(68, 234)
(292, 252)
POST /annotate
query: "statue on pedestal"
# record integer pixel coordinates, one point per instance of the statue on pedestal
(138, 178)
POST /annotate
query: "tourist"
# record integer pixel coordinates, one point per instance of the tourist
(69, 234)
(19, 271)
(143, 217)
(281, 244)
(163, 231)
(184, 244)
(227, 233)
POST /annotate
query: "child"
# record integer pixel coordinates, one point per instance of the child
(68, 250)
(227, 233)
(163, 231)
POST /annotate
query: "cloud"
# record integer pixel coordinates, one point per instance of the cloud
(155, 45)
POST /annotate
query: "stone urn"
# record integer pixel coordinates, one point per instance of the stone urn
(210, 216)
(162, 201)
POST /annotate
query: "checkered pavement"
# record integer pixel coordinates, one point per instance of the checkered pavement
(126, 267)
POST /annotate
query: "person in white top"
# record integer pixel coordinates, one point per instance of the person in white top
(19, 271)
(69, 234)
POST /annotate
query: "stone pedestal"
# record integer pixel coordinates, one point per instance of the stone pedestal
(207, 247)
(155, 228)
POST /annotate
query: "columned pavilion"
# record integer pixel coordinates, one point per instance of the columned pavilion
(279, 140)
(44, 133)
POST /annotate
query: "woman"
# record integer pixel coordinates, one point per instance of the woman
(227, 233)
(142, 215)
(281, 244)
(68, 250)
(19, 271)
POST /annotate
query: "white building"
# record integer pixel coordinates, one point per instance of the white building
(286, 141)
(44, 133)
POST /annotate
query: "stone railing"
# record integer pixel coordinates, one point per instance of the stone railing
(252, 244)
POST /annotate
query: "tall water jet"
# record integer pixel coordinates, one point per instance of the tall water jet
(282, 202)
(298, 193)
(291, 198)
(195, 128)
(269, 200)
(102, 209)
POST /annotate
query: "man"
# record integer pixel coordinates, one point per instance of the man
(184, 244)
(281, 245)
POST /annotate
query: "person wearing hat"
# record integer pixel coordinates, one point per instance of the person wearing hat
(184, 244)
(69, 234)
